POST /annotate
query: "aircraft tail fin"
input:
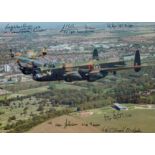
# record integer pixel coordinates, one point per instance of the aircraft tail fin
(11, 53)
(95, 54)
(137, 61)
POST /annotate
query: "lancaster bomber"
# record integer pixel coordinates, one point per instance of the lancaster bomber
(92, 71)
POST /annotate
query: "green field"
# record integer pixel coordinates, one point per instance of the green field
(139, 119)
(33, 91)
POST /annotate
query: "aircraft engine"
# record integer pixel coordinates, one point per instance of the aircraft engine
(104, 73)
(114, 72)
(37, 74)
(94, 76)
(25, 70)
(84, 73)
(73, 76)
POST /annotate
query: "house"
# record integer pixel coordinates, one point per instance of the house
(117, 106)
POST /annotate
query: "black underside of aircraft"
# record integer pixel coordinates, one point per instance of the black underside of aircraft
(57, 75)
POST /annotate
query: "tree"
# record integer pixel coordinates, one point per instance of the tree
(40, 108)
(12, 118)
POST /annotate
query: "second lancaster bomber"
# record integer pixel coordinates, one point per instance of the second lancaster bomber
(91, 71)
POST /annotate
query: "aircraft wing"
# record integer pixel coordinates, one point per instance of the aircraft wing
(115, 69)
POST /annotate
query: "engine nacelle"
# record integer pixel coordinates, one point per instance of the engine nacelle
(84, 73)
(94, 76)
(69, 77)
(26, 71)
(104, 73)
(38, 76)
(114, 72)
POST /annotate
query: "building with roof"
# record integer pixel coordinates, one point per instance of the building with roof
(117, 106)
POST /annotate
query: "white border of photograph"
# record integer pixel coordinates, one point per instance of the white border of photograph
(77, 11)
